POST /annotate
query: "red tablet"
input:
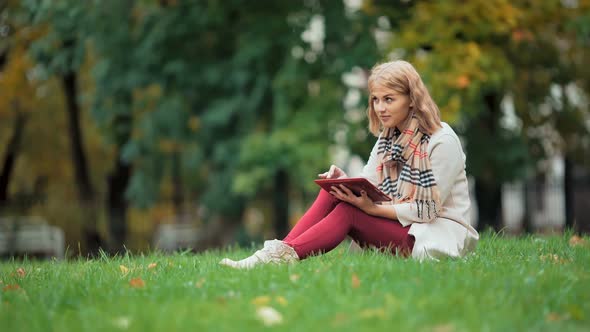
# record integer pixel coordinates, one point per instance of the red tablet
(355, 185)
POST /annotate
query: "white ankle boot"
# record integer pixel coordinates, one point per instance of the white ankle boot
(274, 251)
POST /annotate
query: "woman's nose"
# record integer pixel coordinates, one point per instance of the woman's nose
(379, 107)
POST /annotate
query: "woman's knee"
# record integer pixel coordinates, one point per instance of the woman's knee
(347, 209)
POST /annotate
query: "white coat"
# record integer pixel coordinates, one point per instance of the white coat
(450, 234)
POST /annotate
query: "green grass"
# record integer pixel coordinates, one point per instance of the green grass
(509, 284)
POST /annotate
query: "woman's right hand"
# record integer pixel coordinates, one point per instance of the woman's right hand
(333, 173)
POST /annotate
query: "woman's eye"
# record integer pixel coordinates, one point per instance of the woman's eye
(389, 100)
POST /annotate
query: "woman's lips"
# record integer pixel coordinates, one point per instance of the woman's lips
(385, 118)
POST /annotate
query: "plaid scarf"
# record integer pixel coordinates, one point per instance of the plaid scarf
(415, 182)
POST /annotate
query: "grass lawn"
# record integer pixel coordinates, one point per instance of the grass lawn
(509, 284)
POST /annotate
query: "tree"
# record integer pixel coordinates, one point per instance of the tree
(473, 55)
(61, 52)
(16, 89)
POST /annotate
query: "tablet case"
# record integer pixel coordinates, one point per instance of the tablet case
(355, 185)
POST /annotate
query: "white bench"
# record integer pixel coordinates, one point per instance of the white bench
(30, 236)
(170, 237)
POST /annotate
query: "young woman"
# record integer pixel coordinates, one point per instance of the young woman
(417, 160)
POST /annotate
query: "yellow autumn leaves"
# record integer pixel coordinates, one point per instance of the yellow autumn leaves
(268, 314)
(136, 282)
(265, 312)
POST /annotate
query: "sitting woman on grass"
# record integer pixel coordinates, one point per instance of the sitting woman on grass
(417, 160)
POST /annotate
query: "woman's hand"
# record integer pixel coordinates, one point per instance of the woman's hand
(333, 173)
(362, 202)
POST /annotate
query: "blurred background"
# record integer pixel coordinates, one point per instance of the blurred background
(166, 124)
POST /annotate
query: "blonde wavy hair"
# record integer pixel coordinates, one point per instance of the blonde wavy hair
(403, 78)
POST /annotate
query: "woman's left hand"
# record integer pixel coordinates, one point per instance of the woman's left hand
(344, 194)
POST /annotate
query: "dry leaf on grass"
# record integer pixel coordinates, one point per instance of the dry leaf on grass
(444, 328)
(269, 316)
(553, 317)
(122, 322)
(200, 283)
(281, 300)
(572, 311)
(553, 258)
(261, 300)
(372, 313)
(21, 272)
(294, 278)
(124, 269)
(339, 319)
(11, 287)
(576, 241)
(152, 265)
(137, 283)
(356, 282)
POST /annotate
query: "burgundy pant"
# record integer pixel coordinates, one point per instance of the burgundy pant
(329, 220)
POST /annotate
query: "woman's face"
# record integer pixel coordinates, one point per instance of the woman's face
(392, 107)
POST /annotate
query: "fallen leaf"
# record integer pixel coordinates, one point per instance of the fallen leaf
(576, 241)
(391, 302)
(11, 287)
(553, 258)
(281, 300)
(261, 300)
(372, 313)
(339, 319)
(122, 322)
(553, 317)
(356, 282)
(200, 283)
(152, 265)
(137, 283)
(124, 269)
(444, 328)
(21, 272)
(294, 278)
(269, 316)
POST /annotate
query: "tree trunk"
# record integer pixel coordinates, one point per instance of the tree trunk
(117, 204)
(11, 153)
(489, 205)
(488, 188)
(117, 183)
(86, 191)
(281, 203)
(568, 189)
(178, 193)
(527, 222)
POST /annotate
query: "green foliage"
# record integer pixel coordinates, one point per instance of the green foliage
(237, 91)
(472, 55)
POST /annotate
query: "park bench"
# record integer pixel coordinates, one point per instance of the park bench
(31, 237)
(171, 237)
